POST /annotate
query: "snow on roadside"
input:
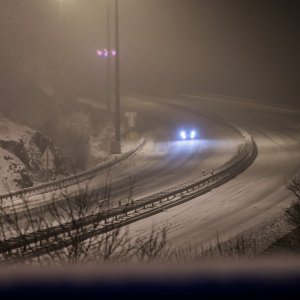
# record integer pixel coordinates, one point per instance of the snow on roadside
(99, 147)
(11, 131)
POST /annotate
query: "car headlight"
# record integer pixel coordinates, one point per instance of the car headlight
(192, 134)
(183, 135)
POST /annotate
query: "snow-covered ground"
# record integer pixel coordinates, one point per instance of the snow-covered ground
(253, 197)
(98, 145)
(249, 200)
(164, 161)
(11, 166)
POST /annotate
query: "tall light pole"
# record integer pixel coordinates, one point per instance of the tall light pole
(108, 58)
(108, 53)
(116, 144)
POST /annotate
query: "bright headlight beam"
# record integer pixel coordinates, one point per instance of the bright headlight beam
(183, 135)
(193, 134)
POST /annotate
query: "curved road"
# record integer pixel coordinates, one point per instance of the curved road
(253, 197)
(164, 161)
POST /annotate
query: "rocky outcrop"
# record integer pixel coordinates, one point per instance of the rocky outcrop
(18, 149)
(25, 181)
(40, 141)
(13, 172)
(22, 156)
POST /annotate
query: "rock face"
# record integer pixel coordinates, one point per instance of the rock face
(21, 156)
(13, 172)
(40, 141)
(18, 149)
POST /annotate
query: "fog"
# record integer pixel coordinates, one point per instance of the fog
(241, 48)
(213, 166)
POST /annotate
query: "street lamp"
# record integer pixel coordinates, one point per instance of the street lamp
(116, 144)
(108, 53)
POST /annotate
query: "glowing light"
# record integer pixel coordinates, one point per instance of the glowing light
(193, 134)
(183, 135)
(106, 52)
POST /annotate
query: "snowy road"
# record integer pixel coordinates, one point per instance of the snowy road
(252, 197)
(164, 161)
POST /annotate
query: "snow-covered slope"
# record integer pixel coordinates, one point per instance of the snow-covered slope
(21, 151)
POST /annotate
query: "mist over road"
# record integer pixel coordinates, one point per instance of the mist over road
(166, 160)
(253, 197)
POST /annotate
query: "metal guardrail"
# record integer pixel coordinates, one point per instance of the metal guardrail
(70, 180)
(167, 198)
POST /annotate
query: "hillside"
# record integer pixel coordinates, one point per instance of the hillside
(39, 95)
(21, 156)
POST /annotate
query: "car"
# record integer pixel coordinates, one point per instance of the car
(188, 134)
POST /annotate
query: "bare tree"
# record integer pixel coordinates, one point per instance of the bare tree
(293, 211)
(291, 242)
(74, 229)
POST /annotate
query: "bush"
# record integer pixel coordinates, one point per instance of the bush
(293, 212)
(72, 231)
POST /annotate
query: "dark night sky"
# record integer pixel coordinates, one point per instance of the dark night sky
(242, 48)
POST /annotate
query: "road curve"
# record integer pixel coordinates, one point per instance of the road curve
(251, 198)
(164, 161)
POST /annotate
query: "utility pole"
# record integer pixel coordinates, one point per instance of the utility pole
(116, 144)
(108, 104)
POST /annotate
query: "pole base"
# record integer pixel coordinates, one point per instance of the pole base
(115, 147)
